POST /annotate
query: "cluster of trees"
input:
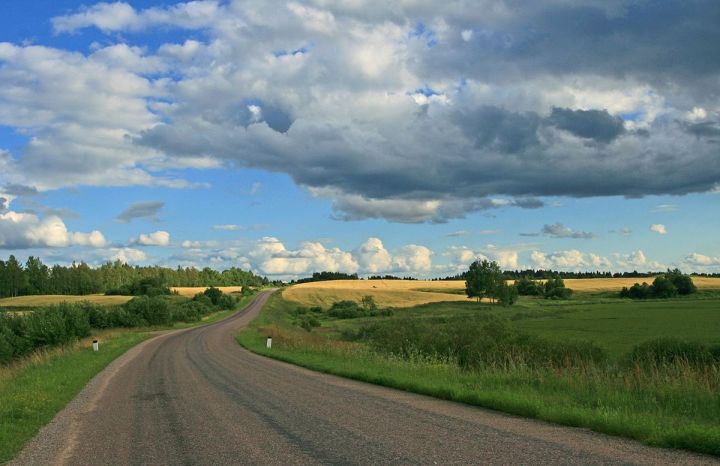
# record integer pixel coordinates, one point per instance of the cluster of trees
(668, 285)
(35, 278)
(325, 276)
(484, 279)
(67, 322)
(552, 288)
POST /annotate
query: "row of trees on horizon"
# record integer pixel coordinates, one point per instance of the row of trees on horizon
(36, 278)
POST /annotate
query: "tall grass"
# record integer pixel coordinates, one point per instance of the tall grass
(664, 393)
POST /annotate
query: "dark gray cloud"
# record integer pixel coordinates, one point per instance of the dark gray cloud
(589, 124)
(558, 230)
(19, 190)
(706, 129)
(147, 210)
(4, 204)
(498, 129)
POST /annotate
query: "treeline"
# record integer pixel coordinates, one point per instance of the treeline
(390, 277)
(325, 276)
(67, 322)
(35, 278)
(542, 274)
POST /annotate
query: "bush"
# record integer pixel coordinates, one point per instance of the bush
(637, 291)
(309, 322)
(150, 286)
(555, 288)
(663, 288)
(528, 287)
(151, 310)
(507, 294)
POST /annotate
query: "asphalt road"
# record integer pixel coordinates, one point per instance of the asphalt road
(196, 397)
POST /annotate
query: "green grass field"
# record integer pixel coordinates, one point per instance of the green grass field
(674, 405)
(36, 388)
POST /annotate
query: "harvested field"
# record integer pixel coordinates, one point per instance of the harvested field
(190, 291)
(46, 300)
(408, 293)
(387, 293)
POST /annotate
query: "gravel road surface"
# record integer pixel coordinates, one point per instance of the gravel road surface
(196, 397)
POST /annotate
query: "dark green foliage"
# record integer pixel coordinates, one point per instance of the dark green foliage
(637, 291)
(528, 287)
(351, 310)
(555, 288)
(507, 295)
(665, 351)
(683, 283)
(663, 288)
(65, 323)
(668, 285)
(111, 278)
(478, 342)
(150, 286)
(325, 276)
(308, 322)
(483, 280)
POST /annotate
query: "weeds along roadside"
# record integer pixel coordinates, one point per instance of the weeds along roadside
(663, 393)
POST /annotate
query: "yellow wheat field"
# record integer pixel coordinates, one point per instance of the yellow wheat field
(190, 291)
(408, 293)
(46, 300)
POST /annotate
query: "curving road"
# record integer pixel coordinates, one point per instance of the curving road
(196, 397)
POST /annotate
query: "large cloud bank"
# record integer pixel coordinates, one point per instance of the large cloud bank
(409, 111)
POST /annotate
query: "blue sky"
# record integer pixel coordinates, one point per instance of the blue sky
(392, 139)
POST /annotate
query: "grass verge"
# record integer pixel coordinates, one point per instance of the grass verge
(676, 407)
(34, 389)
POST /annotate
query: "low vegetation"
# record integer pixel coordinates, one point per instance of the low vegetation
(649, 371)
(65, 323)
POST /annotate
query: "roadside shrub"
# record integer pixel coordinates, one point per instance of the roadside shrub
(151, 310)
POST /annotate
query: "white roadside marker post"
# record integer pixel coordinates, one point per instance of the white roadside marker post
(96, 346)
(269, 342)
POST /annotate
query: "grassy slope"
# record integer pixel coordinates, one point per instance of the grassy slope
(36, 389)
(672, 412)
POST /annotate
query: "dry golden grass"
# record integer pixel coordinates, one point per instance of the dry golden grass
(408, 293)
(387, 293)
(190, 291)
(45, 300)
(616, 284)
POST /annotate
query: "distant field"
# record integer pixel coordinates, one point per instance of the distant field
(408, 293)
(190, 291)
(45, 300)
(387, 293)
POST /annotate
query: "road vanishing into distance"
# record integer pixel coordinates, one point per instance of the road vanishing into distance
(196, 397)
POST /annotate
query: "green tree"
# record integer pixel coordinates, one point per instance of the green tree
(15, 276)
(38, 276)
(507, 294)
(683, 283)
(663, 288)
(483, 280)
